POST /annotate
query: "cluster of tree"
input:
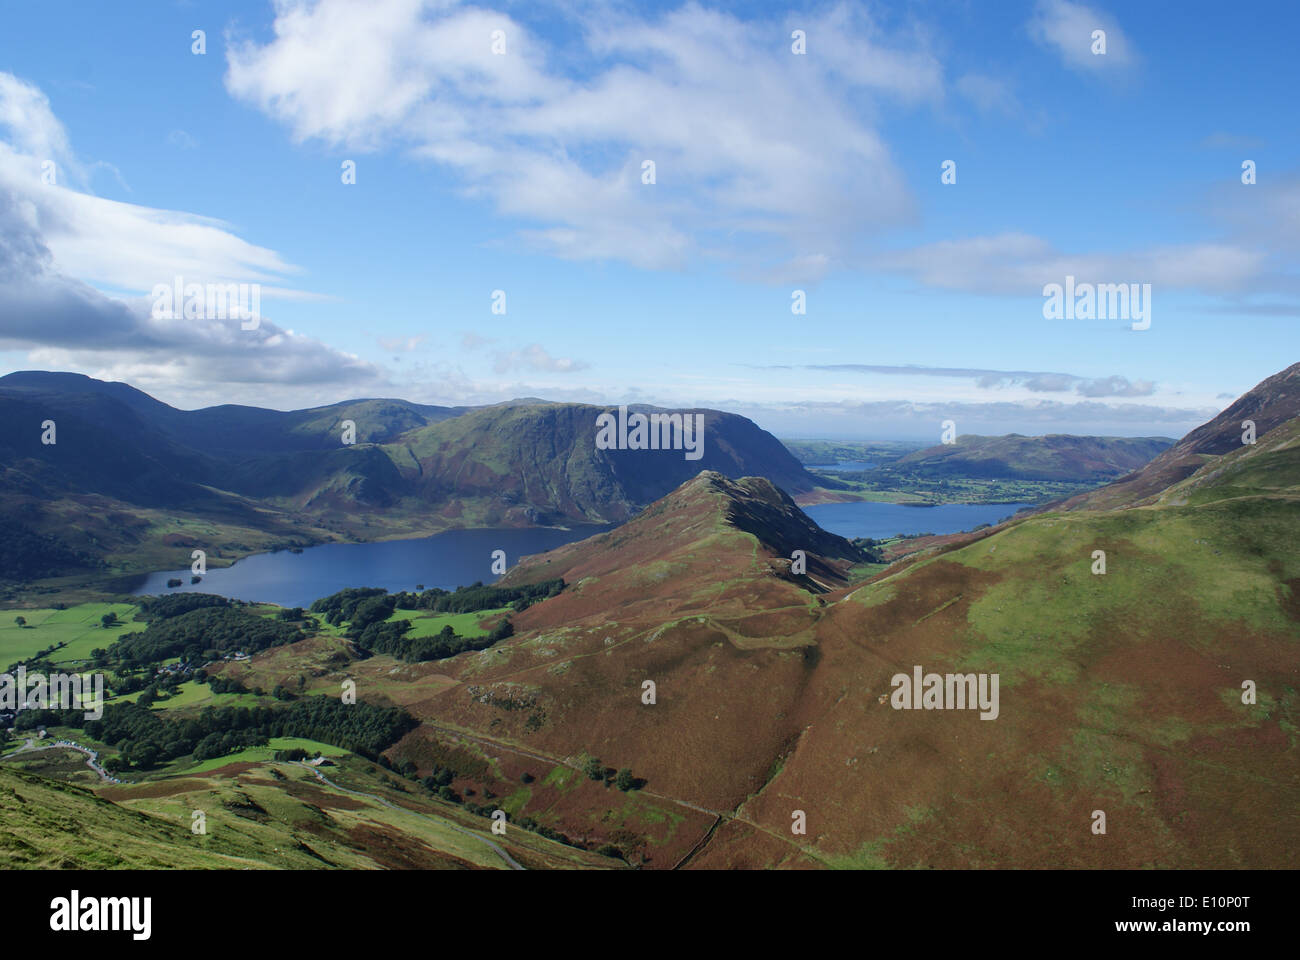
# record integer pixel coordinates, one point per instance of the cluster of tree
(295, 754)
(191, 635)
(342, 606)
(477, 597)
(624, 779)
(173, 605)
(144, 737)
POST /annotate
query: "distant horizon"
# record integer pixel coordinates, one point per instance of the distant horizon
(827, 437)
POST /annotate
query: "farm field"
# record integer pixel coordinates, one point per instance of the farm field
(424, 624)
(79, 627)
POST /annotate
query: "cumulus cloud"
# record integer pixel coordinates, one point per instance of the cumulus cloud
(696, 91)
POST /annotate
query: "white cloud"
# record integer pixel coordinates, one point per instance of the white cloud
(988, 94)
(534, 357)
(748, 139)
(1068, 28)
(53, 239)
(1021, 264)
(122, 246)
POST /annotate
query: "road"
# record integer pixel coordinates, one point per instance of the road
(92, 756)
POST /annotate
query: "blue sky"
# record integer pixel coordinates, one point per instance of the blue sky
(522, 171)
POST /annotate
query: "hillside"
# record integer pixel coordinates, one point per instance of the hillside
(1272, 403)
(731, 694)
(128, 475)
(256, 816)
(1120, 692)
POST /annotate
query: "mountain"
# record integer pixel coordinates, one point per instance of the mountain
(746, 527)
(231, 429)
(1269, 405)
(739, 699)
(1119, 691)
(1051, 457)
(538, 463)
(125, 466)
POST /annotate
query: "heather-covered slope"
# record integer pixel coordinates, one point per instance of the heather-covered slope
(1273, 402)
(1119, 692)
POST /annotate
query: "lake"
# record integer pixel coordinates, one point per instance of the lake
(863, 518)
(460, 557)
(448, 560)
(844, 466)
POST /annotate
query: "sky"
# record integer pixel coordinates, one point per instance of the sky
(389, 172)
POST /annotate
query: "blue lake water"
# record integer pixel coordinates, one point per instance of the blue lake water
(452, 559)
(880, 520)
(844, 466)
(461, 557)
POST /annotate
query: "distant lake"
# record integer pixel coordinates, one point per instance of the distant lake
(843, 466)
(448, 560)
(880, 520)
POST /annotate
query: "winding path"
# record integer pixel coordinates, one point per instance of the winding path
(92, 756)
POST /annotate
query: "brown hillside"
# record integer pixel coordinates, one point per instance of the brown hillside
(1270, 404)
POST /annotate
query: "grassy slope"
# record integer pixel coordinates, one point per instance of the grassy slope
(425, 624)
(1119, 692)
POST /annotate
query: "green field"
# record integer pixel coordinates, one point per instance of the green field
(257, 755)
(191, 694)
(79, 627)
(428, 624)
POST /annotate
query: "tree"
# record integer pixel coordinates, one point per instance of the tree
(594, 769)
(108, 620)
(625, 781)
(21, 621)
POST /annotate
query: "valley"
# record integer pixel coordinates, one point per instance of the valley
(677, 691)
